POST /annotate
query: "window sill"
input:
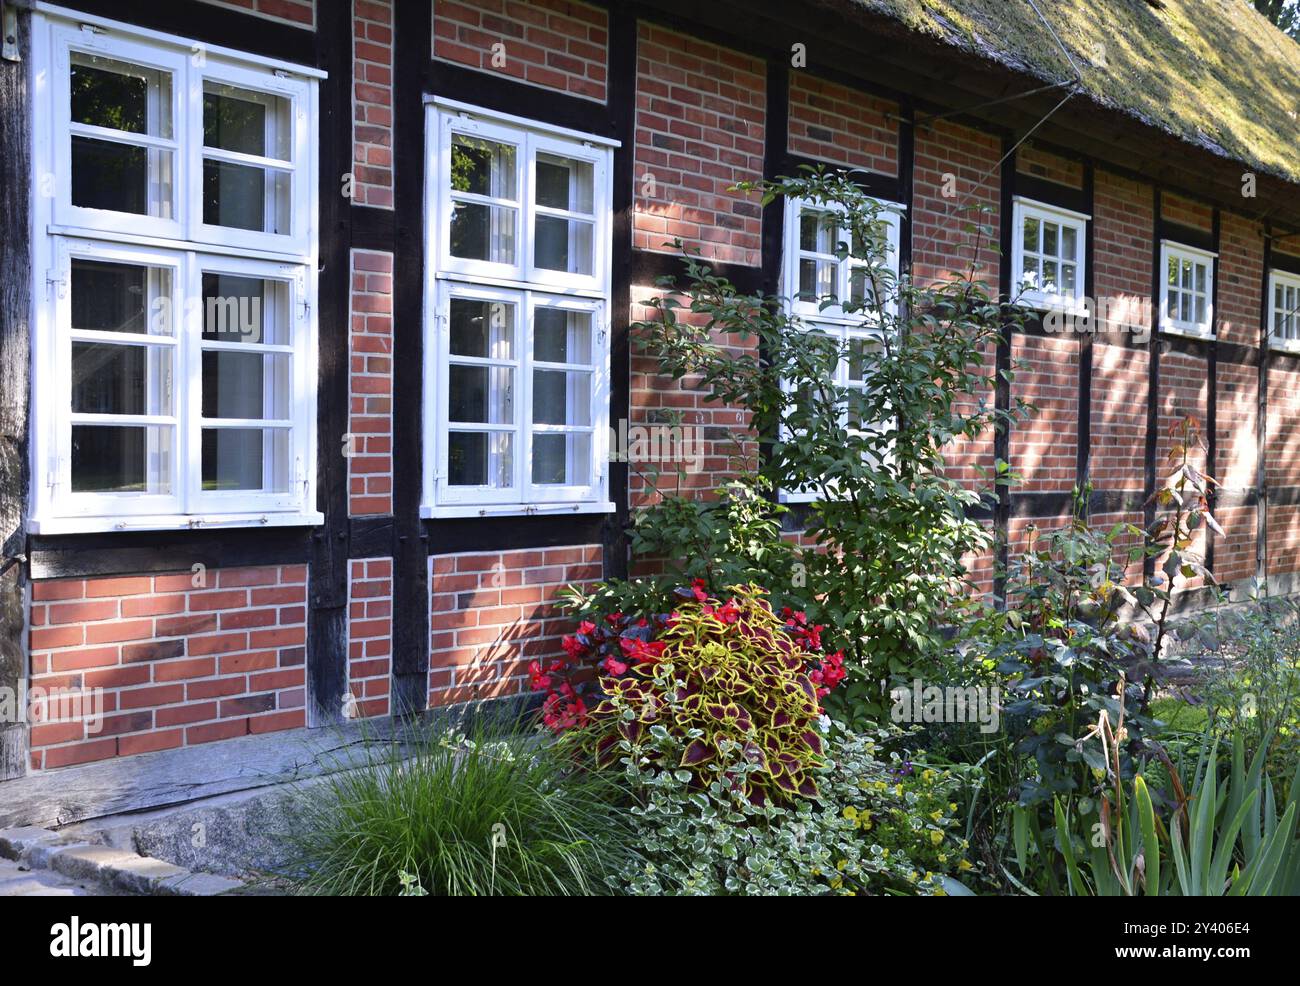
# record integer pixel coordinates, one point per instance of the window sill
(94, 525)
(1174, 330)
(1291, 346)
(1046, 304)
(514, 510)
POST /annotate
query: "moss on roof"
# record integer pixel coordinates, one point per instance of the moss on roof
(1213, 72)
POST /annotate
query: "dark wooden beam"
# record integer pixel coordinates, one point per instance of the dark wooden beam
(15, 335)
(327, 588)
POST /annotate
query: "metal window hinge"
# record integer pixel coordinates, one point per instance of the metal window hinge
(58, 283)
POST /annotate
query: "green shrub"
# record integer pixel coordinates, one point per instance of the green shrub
(889, 525)
(876, 826)
(449, 814)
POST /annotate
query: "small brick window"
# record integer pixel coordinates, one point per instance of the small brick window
(1047, 257)
(1186, 289)
(1284, 309)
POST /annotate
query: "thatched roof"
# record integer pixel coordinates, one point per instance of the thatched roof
(1214, 73)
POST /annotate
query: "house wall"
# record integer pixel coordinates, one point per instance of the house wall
(379, 610)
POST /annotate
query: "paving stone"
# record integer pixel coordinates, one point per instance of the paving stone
(16, 841)
(142, 875)
(198, 885)
(87, 862)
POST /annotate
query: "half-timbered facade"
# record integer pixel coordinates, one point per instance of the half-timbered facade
(316, 382)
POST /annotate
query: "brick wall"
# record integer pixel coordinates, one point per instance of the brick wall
(370, 637)
(942, 245)
(370, 391)
(299, 13)
(555, 44)
(1282, 465)
(493, 612)
(1043, 446)
(1186, 212)
(1237, 308)
(720, 445)
(1033, 160)
(833, 123)
(372, 103)
(1123, 227)
(181, 659)
(699, 130)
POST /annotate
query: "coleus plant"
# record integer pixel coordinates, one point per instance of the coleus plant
(735, 682)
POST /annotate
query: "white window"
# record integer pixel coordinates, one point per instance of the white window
(517, 347)
(1047, 256)
(1186, 289)
(820, 271)
(175, 239)
(1284, 309)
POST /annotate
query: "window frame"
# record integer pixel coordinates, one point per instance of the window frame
(1023, 208)
(832, 320)
(62, 232)
(529, 287)
(1170, 249)
(1278, 277)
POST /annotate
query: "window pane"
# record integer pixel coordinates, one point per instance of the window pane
(476, 458)
(245, 385)
(121, 459)
(561, 397)
(816, 234)
(561, 336)
(562, 460)
(1200, 310)
(1200, 277)
(1186, 274)
(563, 183)
(1185, 307)
(245, 309)
(816, 279)
(1069, 243)
(247, 122)
(242, 196)
(120, 96)
(1171, 304)
(246, 459)
(1050, 282)
(121, 298)
(112, 379)
(485, 329)
(129, 99)
(483, 167)
(480, 394)
(1050, 232)
(483, 232)
(861, 355)
(121, 177)
(1031, 234)
(563, 244)
(1171, 275)
(1067, 278)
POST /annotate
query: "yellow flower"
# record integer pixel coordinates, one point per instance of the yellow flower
(936, 814)
(927, 775)
(952, 806)
(936, 837)
(963, 866)
(841, 864)
(850, 811)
